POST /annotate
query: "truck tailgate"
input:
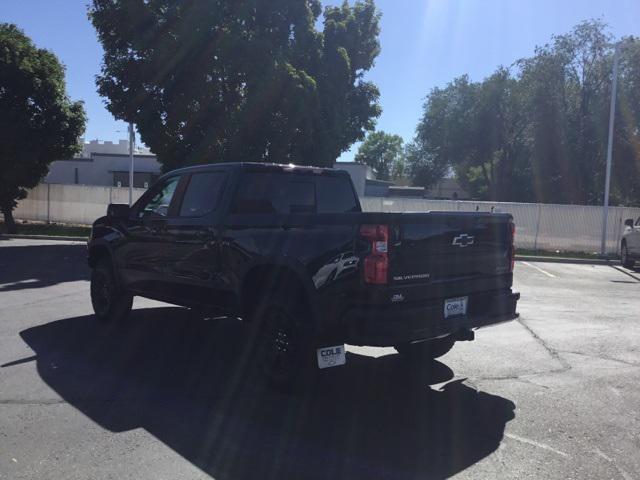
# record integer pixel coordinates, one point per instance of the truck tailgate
(449, 246)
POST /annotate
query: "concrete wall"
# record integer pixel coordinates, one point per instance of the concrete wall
(79, 204)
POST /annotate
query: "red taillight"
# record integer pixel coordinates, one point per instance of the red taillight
(376, 264)
(513, 245)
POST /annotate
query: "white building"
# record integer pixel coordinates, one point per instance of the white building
(367, 185)
(105, 164)
(359, 172)
(121, 148)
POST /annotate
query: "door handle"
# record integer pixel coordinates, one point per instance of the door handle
(206, 232)
(157, 226)
(207, 236)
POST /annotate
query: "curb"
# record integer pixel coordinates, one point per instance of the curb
(44, 237)
(578, 261)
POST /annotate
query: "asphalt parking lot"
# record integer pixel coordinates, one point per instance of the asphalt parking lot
(553, 395)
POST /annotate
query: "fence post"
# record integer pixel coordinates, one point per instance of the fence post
(48, 203)
(535, 242)
(618, 218)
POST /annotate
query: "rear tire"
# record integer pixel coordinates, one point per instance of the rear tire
(280, 346)
(427, 350)
(110, 302)
(624, 257)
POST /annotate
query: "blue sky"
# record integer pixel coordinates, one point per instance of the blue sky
(425, 43)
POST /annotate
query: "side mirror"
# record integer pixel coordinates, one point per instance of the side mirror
(628, 222)
(118, 210)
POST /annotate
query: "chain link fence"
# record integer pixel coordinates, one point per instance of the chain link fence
(569, 228)
(574, 228)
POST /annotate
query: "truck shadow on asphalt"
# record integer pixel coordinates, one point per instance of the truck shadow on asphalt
(37, 266)
(176, 377)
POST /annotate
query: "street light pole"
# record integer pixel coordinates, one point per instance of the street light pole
(131, 141)
(612, 114)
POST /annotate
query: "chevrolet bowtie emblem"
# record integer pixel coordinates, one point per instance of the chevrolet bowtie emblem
(463, 240)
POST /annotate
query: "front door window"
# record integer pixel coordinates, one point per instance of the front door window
(157, 204)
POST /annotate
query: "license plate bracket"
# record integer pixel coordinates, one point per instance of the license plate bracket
(455, 307)
(331, 356)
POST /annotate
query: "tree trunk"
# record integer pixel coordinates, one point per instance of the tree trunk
(487, 181)
(9, 222)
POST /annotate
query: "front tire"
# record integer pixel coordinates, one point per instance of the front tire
(427, 350)
(110, 302)
(624, 257)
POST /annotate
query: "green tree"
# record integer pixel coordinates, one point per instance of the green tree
(38, 122)
(626, 147)
(568, 88)
(442, 134)
(478, 131)
(423, 169)
(384, 153)
(538, 131)
(250, 80)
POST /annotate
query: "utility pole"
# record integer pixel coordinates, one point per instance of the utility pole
(612, 115)
(131, 142)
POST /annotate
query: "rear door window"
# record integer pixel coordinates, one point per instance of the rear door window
(203, 194)
(335, 195)
(269, 192)
(259, 193)
(302, 196)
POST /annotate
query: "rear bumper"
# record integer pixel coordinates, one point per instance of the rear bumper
(397, 324)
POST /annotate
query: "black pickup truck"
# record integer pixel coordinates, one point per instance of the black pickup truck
(288, 250)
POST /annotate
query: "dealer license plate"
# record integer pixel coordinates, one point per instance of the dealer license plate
(454, 307)
(331, 356)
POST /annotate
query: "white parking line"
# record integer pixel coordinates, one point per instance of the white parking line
(544, 446)
(540, 270)
(626, 272)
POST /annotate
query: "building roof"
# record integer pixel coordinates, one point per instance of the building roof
(402, 191)
(126, 155)
(380, 183)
